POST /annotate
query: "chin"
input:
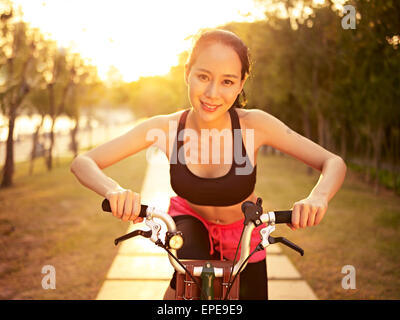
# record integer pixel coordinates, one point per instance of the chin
(210, 116)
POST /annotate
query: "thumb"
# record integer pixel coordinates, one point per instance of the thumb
(290, 226)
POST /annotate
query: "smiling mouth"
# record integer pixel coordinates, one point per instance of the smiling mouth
(209, 107)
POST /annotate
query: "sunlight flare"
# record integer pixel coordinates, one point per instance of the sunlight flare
(137, 38)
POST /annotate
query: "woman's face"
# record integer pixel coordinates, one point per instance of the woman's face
(214, 81)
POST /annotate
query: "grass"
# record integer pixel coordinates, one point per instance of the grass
(50, 219)
(388, 179)
(359, 229)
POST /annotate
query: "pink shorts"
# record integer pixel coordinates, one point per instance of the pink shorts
(223, 237)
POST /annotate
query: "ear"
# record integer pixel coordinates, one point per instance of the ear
(242, 82)
(186, 73)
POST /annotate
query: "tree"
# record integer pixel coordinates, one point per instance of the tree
(59, 76)
(84, 91)
(17, 54)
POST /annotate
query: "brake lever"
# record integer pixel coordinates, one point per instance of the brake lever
(155, 228)
(266, 240)
(153, 233)
(287, 243)
(252, 212)
(143, 233)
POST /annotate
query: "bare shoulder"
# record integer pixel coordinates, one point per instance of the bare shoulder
(254, 118)
(167, 123)
(267, 128)
(175, 116)
(162, 121)
(271, 131)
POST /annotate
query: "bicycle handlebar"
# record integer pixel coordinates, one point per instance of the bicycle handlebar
(107, 207)
(280, 216)
(283, 216)
(269, 218)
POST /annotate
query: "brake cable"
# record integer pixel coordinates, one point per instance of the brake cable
(154, 235)
(162, 245)
(252, 214)
(230, 285)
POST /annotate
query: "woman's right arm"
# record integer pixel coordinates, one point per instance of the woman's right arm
(88, 166)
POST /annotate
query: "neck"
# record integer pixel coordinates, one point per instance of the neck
(197, 123)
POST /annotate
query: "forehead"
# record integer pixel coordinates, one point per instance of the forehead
(218, 58)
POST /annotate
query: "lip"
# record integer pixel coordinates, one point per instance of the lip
(209, 107)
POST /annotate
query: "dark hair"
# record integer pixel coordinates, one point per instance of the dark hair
(227, 38)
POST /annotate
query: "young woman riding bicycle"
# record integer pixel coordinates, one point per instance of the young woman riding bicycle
(210, 192)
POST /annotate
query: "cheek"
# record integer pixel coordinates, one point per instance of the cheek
(229, 93)
(194, 91)
(197, 90)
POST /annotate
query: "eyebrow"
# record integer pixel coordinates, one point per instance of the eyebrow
(225, 75)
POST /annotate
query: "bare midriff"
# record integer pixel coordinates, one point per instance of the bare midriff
(222, 215)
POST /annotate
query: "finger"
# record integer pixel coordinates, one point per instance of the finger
(136, 207)
(305, 211)
(311, 216)
(128, 206)
(296, 216)
(138, 220)
(290, 226)
(121, 204)
(319, 216)
(113, 205)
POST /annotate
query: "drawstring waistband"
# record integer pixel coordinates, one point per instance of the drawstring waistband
(214, 231)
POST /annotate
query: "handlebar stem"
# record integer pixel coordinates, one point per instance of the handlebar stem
(268, 218)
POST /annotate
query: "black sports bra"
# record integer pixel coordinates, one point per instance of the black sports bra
(232, 188)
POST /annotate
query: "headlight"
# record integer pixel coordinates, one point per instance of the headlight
(175, 240)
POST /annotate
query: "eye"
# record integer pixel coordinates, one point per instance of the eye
(202, 77)
(228, 82)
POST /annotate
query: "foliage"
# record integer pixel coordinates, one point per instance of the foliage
(36, 75)
(339, 87)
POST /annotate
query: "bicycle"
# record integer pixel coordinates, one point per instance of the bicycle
(189, 271)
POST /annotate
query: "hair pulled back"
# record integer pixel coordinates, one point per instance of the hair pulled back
(228, 38)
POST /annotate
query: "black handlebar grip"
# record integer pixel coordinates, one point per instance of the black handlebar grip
(246, 205)
(106, 207)
(283, 216)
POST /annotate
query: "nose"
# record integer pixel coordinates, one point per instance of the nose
(212, 90)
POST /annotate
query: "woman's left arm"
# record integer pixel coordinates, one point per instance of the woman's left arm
(311, 210)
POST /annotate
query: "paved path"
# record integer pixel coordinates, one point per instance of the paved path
(141, 270)
(86, 138)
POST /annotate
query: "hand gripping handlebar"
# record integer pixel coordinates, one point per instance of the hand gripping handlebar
(253, 213)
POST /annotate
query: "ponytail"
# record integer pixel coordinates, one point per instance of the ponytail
(241, 100)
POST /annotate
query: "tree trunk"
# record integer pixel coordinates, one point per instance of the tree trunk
(377, 147)
(395, 142)
(343, 144)
(50, 150)
(35, 142)
(367, 157)
(55, 111)
(328, 137)
(356, 142)
(74, 143)
(52, 113)
(321, 128)
(8, 169)
(307, 132)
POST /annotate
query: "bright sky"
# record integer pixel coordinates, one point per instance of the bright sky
(140, 38)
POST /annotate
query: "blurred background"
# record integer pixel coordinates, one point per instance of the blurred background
(74, 74)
